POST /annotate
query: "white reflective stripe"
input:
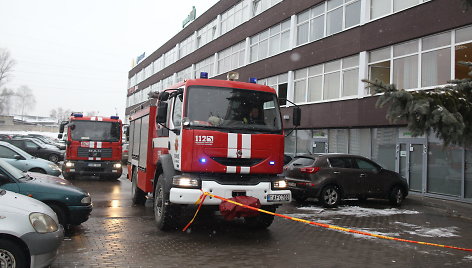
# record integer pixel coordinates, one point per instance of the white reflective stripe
(230, 169)
(99, 144)
(134, 162)
(160, 142)
(91, 144)
(93, 118)
(90, 158)
(232, 145)
(100, 118)
(245, 170)
(98, 158)
(246, 148)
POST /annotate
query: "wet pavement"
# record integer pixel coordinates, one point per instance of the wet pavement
(119, 234)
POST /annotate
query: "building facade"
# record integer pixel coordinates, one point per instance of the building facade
(315, 53)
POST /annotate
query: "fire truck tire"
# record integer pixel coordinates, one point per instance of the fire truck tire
(165, 214)
(262, 220)
(138, 196)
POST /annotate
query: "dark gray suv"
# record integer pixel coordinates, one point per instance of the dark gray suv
(333, 177)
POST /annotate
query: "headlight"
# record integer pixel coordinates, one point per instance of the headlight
(42, 223)
(53, 166)
(86, 200)
(186, 182)
(69, 164)
(279, 184)
(117, 165)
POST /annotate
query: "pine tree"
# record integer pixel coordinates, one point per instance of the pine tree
(445, 111)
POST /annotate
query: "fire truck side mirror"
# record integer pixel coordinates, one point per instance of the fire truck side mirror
(61, 126)
(297, 114)
(161, 112)
(59, 136)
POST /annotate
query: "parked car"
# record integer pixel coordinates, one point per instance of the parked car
(5, 137)
(47, 140)
(38, 149)
(29, 232)
(333, 177)
(26, 162)
(71, 204)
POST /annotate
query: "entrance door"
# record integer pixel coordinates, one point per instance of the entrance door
(320, 146)
(410, 164)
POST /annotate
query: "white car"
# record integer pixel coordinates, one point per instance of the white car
(29, 232)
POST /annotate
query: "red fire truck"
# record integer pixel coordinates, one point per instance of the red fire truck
(218, 136)
(93, 146)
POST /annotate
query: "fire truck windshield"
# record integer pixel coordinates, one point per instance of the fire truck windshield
(232, 108)
(95, 131)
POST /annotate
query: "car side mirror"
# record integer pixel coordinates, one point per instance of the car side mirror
(161, 112)
(59, 136)
(18, 157)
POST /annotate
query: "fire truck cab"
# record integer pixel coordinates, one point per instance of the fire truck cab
(94, 146)
(219, 136)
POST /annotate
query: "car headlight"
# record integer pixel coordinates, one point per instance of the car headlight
(69, 164)
(117, 165)
(86, 200)
(186, 182)
(42, 223)
(279, 184)
(53, 166)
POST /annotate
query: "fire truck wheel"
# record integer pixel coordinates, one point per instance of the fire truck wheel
(138, 196)
(165, 214)
(262, 220)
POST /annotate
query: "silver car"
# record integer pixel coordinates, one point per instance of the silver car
(26, 162)
(29, 232)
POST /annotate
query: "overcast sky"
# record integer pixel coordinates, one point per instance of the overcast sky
(77, 54)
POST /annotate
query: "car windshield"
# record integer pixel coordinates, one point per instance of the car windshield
(13, 171)
(233, 109)
(95, 131)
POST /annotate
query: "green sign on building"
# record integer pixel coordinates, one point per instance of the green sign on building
(191, 17)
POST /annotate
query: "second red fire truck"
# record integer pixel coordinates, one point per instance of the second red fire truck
(94, 146)
(219, 136)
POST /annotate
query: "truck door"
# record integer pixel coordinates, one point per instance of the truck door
(175, 139)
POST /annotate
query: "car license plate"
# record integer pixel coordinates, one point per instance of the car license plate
(292, 184)
(278, 197)
(94, 165)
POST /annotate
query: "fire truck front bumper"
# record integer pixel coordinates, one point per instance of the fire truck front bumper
(263, 191)
(92, 168)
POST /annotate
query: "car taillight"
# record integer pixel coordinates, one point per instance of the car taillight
(309, 169)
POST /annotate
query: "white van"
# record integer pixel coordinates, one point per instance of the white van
(29, 232)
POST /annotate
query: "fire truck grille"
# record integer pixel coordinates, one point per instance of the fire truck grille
(94, 152)
(242, 162)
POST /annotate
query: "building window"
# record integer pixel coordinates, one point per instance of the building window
(205, 65)
(231, 58)
(170, 57)
(280, 84)
(384, 142)
(206, 34)
(185, 74)
(338, 140)
(270, 42)
(360, 142)
(380, 8)
(339, 15)
(463, 51)
(328, 81)
(259, 6)
(234, 17)
(186, 46)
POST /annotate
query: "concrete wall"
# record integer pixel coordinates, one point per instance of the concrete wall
(29, 128)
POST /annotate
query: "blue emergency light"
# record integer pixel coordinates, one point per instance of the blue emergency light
(204, 75)
(253, 80)
(114, 117)
(78, 115)
(203, 160)
(271, 163)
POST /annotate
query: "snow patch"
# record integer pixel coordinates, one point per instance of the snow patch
(358, 211)
(468, 258)
(430, 232)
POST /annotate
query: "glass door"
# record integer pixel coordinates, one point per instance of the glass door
(411, 164)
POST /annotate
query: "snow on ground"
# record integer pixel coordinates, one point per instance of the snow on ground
(429, 232)
(468, 258)
(357, 211)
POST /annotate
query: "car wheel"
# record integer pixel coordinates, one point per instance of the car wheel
(38, 170)
(12, 255)
(396, 196)
(262, 220)
(53, 158)
(138, 196)
(61, 214)
(165, 214)
(330, 196)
